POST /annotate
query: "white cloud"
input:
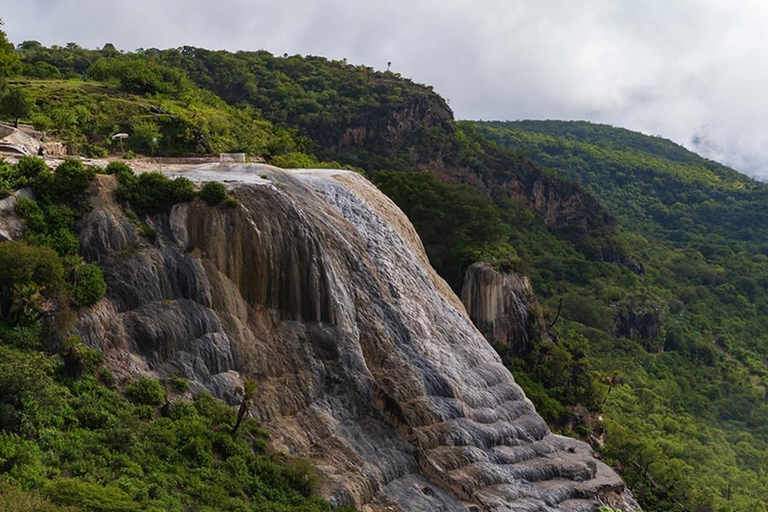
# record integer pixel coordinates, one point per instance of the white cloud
(684, 70)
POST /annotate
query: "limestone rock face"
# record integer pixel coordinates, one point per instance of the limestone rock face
(318, 288)
(502, 306)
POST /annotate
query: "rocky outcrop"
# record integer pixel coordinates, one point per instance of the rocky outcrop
(397, 126)
(503, 307)
(317, 287)
(11, 226)
(14, 140)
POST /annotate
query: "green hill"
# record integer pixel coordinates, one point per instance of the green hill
(657, 255)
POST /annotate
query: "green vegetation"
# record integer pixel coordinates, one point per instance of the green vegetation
(69, 440)
(153, 192)
(662, 313)
(15, 104)
(683, 318)
(213, 193)
(457, 223)
(666, 344)
(146, 391)
(70, 445)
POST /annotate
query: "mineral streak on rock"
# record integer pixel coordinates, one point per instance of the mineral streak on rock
(317, 287)
(502, 306)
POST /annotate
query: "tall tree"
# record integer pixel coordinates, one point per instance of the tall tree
(15, 104)
(9, 60)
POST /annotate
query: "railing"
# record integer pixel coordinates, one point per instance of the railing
(232, 157)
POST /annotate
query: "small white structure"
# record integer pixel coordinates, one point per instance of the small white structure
(231, 157)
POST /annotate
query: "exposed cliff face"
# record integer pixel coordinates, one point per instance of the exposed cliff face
(502, 306)
(318, 288)
(396, 128)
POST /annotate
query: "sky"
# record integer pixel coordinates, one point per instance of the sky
(694, 71)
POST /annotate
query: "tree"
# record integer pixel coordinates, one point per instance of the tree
(9, 60)
(247, 391)
(15, 104)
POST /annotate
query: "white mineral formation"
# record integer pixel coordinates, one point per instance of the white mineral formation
(317, 287)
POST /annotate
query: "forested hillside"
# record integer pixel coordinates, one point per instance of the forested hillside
(651, 259)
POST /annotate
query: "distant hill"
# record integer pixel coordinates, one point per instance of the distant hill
(651, 184)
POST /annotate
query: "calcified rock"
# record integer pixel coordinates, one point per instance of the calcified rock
(11, 225)
(317, 287)
(502, 306)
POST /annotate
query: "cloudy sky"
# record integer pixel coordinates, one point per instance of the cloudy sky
(694, 71)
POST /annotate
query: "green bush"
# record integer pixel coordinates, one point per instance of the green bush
(28, 275)
(13, 498)
(146, 135)
(25, 336)
(179, 383)
(49, 225)
(152, 192)
(94, 151)
(213, 193)
(90, 497)
(9, 180)
(29, 397)
(30, 167)
(119, 169)
(294, 160)
(68, 184)
(20, 460)
(146, 391)
(182, 190)
(88, 285)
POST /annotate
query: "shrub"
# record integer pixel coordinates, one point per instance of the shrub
(302, 475)
(95, 151)
(146, 391)
(179, 383)
(146, 135)
(119, 169)
(23, 266)
(213, 193)
(22, 336)
(68, 184)
(88, 285)
(30, 167)
(152, 191)
(62, 241)
(29, 397)
(90, 497)
(294, 160)
(49, 225)
(182, 189)
(12, 498)
(20, 460)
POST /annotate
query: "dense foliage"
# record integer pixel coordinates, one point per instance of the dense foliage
(153, 192)
(683, 319)
(80, 445)
(661, 319)
(458, 224)
(70, 441)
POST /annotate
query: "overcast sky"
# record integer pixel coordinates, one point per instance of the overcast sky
(688, 70)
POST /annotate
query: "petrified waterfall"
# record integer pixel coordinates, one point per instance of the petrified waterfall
(317, 287)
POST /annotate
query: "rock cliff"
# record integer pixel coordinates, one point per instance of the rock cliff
(503, 307)
(317, 287)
